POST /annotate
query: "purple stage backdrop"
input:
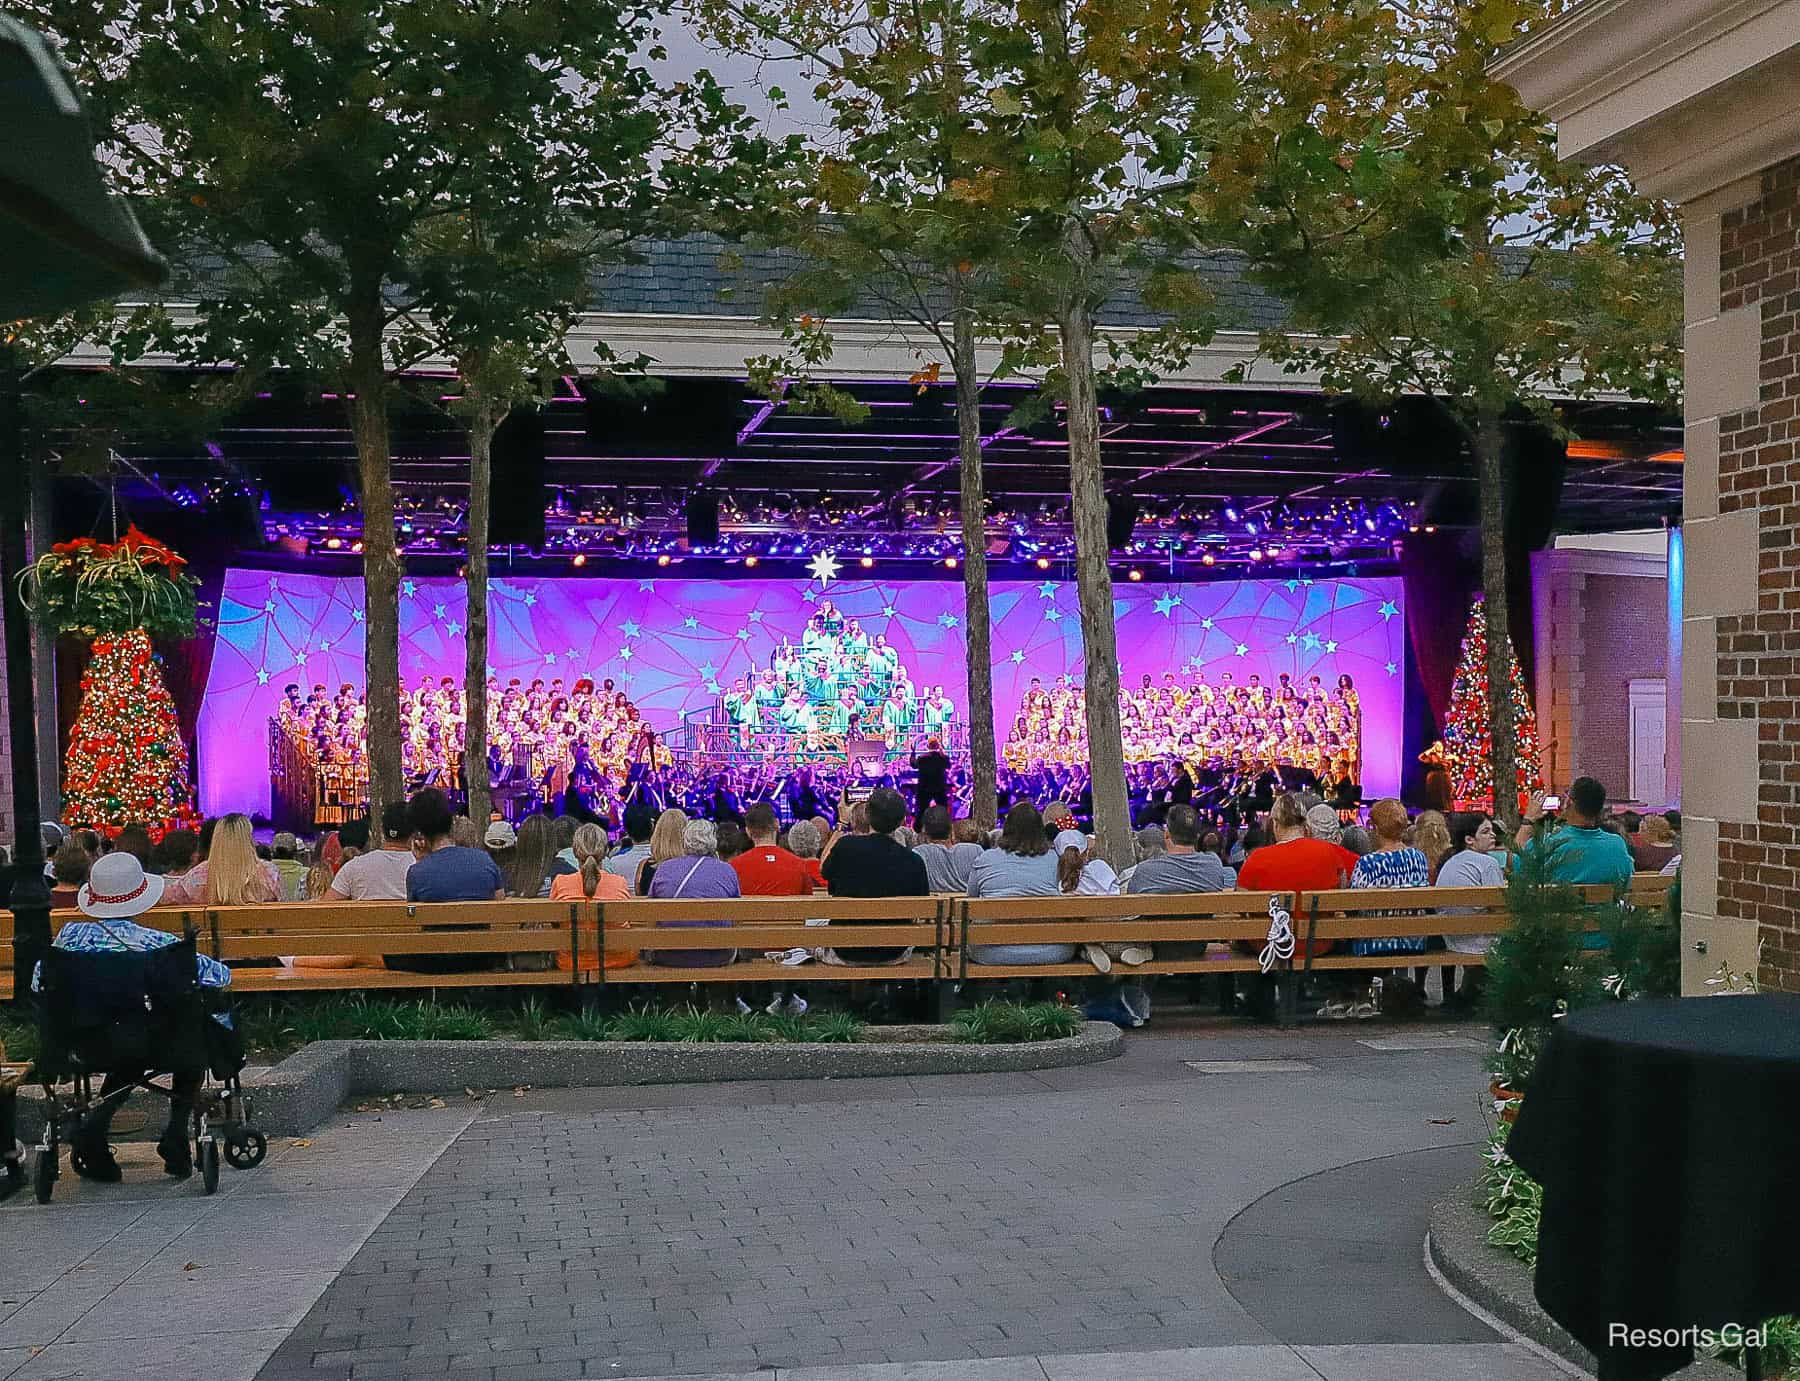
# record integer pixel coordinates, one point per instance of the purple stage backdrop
(673, 643)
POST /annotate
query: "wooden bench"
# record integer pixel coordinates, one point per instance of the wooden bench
(760, 925)
(371, 930)
(1217, 919)
(1367, 913)
(177, 921)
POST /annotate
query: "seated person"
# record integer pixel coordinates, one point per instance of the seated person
(118, 889)
(445, 872)
(875, 865)
(12, 1167)
(699, 873)
(947, 863)
(1575, 849)
(1021, 866)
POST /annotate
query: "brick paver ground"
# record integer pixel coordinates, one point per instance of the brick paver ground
(723, 1229)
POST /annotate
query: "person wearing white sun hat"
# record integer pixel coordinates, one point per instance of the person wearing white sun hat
(118, 889)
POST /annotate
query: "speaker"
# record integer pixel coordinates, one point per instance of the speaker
(703, 518)
(1121, 519)
(516, 518)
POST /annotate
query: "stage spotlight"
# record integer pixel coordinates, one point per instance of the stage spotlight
(867, 562)
(1256, 554)
(334, 542)
(1136, 574)
(1043, 563)
(357, 546)
(750, 561)
(950, 561)
(1207, 559)
(581, 558)
(663, 560)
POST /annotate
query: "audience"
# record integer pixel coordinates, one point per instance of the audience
(175, 855)
(765, 869)
(446, 870)
(947, 863)
(1472, 863)
(284, 850)
(875, 865)
(1574, 848)
(591, 882)
(231, 874)
(697, 874)
(1654, 844)
(667, 841)
(640, 820)
(534, 860)
(135, 840)
(68, 874)
(381, 874)
(1431, 837)
(1182, 866)
(805, 839)
(1021, 865)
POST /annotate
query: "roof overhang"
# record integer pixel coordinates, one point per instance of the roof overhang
(1689, 95)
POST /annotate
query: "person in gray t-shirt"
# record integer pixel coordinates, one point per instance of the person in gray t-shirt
(1184, 868)
(947, 865)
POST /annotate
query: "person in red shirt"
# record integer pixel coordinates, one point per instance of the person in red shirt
(1296, 862)
(766, 869)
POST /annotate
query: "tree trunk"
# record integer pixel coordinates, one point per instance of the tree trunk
(1490, 443)
(1093, 572)
(475, 630)
(381, 561)
(976, 615)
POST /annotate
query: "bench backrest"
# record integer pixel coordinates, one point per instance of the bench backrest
(772, 923)
(1077, 919)
(373, 928)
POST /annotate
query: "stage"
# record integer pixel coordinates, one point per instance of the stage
(675, 646)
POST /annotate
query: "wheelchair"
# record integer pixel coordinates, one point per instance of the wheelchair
(136, 1017)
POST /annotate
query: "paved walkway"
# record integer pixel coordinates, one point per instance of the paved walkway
(1260, 1217)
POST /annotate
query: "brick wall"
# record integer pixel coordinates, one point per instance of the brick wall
(1758, 668)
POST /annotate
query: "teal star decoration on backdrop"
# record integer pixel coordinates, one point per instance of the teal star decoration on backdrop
(947, 620)
(647, 585)
(629, 629)
(756, 616)
(1330, 646)
(690, 622)
(708, 671)
(1392, 669)
(268, 606)
(1242, 650)
(1048, 589)
(453, 628)
(530, 601)
(1018, 657)
(357, 614)
(1292, 638)
(625, 653)
(1167, 603)
(1310, 642)
(1387, 610)
(1206, 623)
(262, 676)
(408, 589)
(1053, 615)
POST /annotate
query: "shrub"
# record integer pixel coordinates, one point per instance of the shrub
(1009, 1023)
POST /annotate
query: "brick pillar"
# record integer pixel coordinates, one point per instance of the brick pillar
(1741, 626)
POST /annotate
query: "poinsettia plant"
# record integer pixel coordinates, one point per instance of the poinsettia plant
(103, 589)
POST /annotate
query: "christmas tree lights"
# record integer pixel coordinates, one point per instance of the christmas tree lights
(1467, 746)
(126, 761)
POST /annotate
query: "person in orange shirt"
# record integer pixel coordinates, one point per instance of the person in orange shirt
(591, 883)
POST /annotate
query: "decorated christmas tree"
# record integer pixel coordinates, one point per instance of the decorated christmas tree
(1467, 750)
(126, 761)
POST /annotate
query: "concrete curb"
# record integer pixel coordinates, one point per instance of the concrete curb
(1500, 1284)
(304, 1089)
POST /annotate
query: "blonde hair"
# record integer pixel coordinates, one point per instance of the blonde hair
(590, 852)
(318, 880)
(234, 874)
(1657, 829)
(666, 840)
(1431, 836)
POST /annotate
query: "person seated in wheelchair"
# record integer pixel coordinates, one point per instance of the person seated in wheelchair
(117, 890)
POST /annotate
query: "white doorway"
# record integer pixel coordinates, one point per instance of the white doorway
(1648, 714)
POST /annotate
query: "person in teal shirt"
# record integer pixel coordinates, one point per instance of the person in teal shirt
(1576, 849)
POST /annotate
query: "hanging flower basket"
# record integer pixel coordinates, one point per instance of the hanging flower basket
(95, 589)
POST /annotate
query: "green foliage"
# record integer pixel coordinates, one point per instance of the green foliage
(1780, 1351)
(580, 1026)
(1537, 969)
(643, 1024)
(1513, 1199)
(18, 1036)
(107, 589)
(1645, 956)
(834, 1028)
(532, 1021)
(1010, 1023)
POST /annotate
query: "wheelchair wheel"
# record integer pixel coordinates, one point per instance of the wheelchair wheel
(43, 1174)
(209, 1165)
(246, 1149)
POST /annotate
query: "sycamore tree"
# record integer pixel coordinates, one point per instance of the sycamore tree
(598, 154)
(1414, 213)
(878, 220)
(327, 162)
(1025, 159)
